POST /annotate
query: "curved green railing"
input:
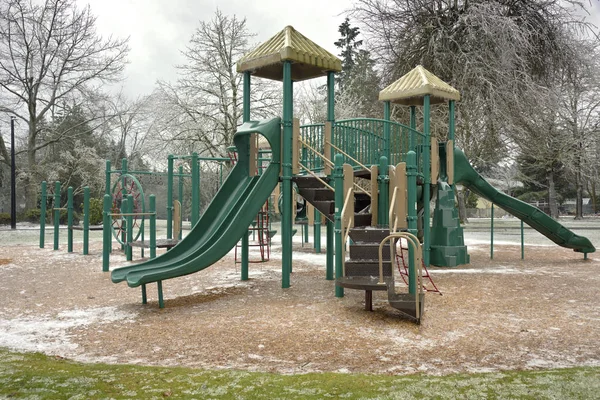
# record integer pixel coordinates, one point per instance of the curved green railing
(362, 139)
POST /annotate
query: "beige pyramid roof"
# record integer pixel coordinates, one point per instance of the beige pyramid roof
(308, 59)
(412, 87)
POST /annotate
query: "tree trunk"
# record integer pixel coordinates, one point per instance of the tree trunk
(31, 177)
(579, 196)
(462, 206)
(552, 203)
(593, 193)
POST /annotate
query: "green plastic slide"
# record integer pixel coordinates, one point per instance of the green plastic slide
(532, 216)
(225, 220)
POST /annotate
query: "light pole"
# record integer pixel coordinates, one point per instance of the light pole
(13, 194)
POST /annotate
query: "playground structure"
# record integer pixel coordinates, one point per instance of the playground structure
(372, 179)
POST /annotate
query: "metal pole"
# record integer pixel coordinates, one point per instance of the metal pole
(106, 232)
(180, 198)
(317, 231)
(413, 125)
(286, 158)
(195, 189)
(43, 215)
(338, 175)
(13, 177)
(124, 170)
(107, 178)
(128, 246)
(70, 219)
(170, 197)
(153, 226)
(522, 241)
(492, 235)
(246, 117)
(56, 213)
(86, 220)
(427, 181)
(330, 227)
(411, 173)
(386, 129)
(384, 200)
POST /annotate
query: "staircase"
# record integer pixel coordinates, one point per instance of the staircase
(361, 271)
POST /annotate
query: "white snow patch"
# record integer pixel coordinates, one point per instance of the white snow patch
(49, 334)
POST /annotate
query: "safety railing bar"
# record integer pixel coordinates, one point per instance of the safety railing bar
(350, 157)
(308, 146)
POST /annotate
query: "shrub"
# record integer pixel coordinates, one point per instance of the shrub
(32, 215)
(4, 219)
(96, 211)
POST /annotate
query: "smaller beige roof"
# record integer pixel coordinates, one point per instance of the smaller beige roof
(412, 87)
(309, 60)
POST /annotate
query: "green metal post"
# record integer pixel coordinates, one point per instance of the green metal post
(451, 123)
(384, 201)
(180, 198)
(124, 170)
(330, 227)
(152, 207)
(413, 125)
(161, 302)
(317, 231)
(338, 176)
(56, 213)
(107, 178)
(286, 158)
(427, 181)
(387, 114)
(195, 189)
(129, 219)
(245, 240)
(106, 232)
(220, 175)
(411, 173)
(86, 220)
(522, 241)
(492, 235)
(144, 295)
(43, 214)
(70, 219)
(170, 197)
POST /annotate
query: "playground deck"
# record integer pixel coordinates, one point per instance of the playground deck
(502, 314)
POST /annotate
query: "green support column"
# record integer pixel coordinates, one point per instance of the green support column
(56, 213)
(387, 114)
(170, 197)
(106, 232)
(86, 220)
(286, 191)
(492, 234)
(317, 231)
(129, 227)
(124, 170)
(152, 207)
(70, 219)
(338, 176)
(107, 178)
(246, 117)
(411, 173)
(384, 201)
(195, 189)
(330, 227)
(427, 180)
(43, 214)
(451, 126)
(413, 125)
(180, 198)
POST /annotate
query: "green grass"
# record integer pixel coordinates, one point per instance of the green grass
(42, 377)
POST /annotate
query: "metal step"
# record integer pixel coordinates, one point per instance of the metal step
(362, 220)
(405, 303)
(309, 181)
(368, 251)
(325, 207)
(367, 268)
(361, 283)
(368, 234)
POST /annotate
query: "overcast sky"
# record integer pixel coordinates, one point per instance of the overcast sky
(159, 29)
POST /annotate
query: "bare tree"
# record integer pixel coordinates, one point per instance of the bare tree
(206, 101)
(50, 57)
(579, 109)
